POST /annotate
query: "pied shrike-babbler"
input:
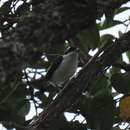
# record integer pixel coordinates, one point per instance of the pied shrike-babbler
(63, 67)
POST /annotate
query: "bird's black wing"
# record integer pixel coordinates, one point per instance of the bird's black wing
(55, 64)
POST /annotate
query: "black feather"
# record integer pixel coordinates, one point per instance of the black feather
(70, 50)
(55, 64)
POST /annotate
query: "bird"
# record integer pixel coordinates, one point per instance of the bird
(63, 67)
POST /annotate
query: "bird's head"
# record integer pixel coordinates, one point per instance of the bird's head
(71, 50)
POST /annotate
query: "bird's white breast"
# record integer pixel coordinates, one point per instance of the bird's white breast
(66, 69)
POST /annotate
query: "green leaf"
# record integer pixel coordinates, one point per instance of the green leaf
(120, 10)
(114, 70)
(21, 91)
(106, 37)
(105, 25)
(23, 107)
(120, 33)
(23, 9)
(5, 8)
(121, 82)
(45, 100)
(128, 55)
(89, 38)
(102, 106)
(99, 84)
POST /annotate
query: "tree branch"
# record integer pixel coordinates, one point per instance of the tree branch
(122, 65)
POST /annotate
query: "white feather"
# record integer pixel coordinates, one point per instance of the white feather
(66, 69)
